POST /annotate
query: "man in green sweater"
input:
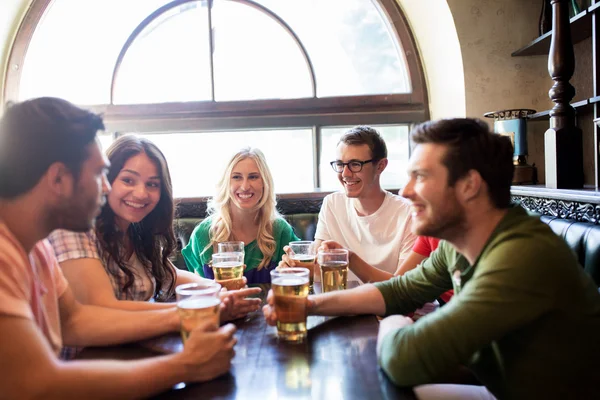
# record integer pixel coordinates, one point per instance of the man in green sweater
(525, 318)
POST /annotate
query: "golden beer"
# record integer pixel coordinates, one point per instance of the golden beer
(307, 261)
(195, 311)
(229, 274)
(334, 276)
(290, 293)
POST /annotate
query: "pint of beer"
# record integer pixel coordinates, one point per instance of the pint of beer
(290, 289)
(334, 269)
(229, 269)
(304, 255)
(196, 304)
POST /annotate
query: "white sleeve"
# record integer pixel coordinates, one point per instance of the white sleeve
(322, 232)
(407, 242)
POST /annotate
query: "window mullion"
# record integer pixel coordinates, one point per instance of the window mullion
(211, 50)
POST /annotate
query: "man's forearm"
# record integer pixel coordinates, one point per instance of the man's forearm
(100, 326)
(127, 380)
(366, 299)
(366, 272)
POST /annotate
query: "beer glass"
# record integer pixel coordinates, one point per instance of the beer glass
(334, 269)
(290, 290)
(228, 269)
(197, 303)
(304, 256)
(230, 247)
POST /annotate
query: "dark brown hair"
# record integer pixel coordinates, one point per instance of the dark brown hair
(37, 133)
(152, 238)
(366, 135)
(471, 146)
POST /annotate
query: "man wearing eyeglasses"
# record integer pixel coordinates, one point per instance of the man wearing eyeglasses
(370, 221)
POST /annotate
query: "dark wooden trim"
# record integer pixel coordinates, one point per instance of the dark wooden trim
(404, 36)
(17, 52)
(579, 205)
(578, 211)
(580, 29)
(211, 47)
(192, 124)
(563, 141)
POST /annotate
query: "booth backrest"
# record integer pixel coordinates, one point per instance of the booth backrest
(304, 225)
(582, 237)
(584, 240)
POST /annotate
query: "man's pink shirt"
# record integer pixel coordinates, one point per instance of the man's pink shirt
(31, 284)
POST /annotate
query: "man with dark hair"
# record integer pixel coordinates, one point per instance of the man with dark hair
(372, 222)
(525, 317)
(52, 175)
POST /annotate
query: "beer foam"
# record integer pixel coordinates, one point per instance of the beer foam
(291, 280)
(228, 264)
(199, 302)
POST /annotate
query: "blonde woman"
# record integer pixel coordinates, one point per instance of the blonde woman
(242, 210)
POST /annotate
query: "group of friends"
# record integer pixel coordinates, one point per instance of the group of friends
(462, 277)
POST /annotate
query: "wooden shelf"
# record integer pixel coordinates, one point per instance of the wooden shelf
(581, 29)
(593, 7)
(579, 105)
(587, 195)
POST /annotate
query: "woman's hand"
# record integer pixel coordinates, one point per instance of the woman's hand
(236, 304)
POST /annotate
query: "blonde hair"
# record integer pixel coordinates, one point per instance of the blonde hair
(219, 207)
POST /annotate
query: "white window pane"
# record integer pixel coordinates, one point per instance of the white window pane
(397, 142)
(169, 61)
(350, 43)
(255, 57)
(196, 160)
(105, 141)
(74, 48)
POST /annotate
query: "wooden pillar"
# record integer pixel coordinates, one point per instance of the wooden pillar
(563, 141)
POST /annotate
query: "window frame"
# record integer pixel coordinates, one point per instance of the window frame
(198, 116)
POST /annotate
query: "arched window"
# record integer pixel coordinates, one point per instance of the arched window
(203, 78)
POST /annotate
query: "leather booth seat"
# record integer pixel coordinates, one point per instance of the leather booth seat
(304, 225)
(584, 240)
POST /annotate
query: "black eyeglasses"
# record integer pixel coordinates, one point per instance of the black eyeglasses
(354, 165)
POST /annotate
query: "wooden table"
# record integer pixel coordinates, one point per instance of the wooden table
(337, 361)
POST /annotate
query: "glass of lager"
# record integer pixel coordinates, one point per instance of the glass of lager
(230, 247)
(334, 269)
(228, 269)
(290, 290)
(304, 256)
(196, 304)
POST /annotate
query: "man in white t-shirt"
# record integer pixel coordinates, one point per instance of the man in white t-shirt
(370, 221)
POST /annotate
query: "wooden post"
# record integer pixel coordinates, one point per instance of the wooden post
(563, 141)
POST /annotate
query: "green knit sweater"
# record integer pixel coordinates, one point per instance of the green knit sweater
(525, 317)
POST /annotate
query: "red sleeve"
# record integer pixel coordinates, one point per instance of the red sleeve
(424, 245)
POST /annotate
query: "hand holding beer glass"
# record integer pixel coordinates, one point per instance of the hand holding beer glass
(304, 256)
(290, 292)
(228, 269)
(334, 269)
(197, 303)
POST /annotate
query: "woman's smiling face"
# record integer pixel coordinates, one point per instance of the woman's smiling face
(246, 184)
(135, 191)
